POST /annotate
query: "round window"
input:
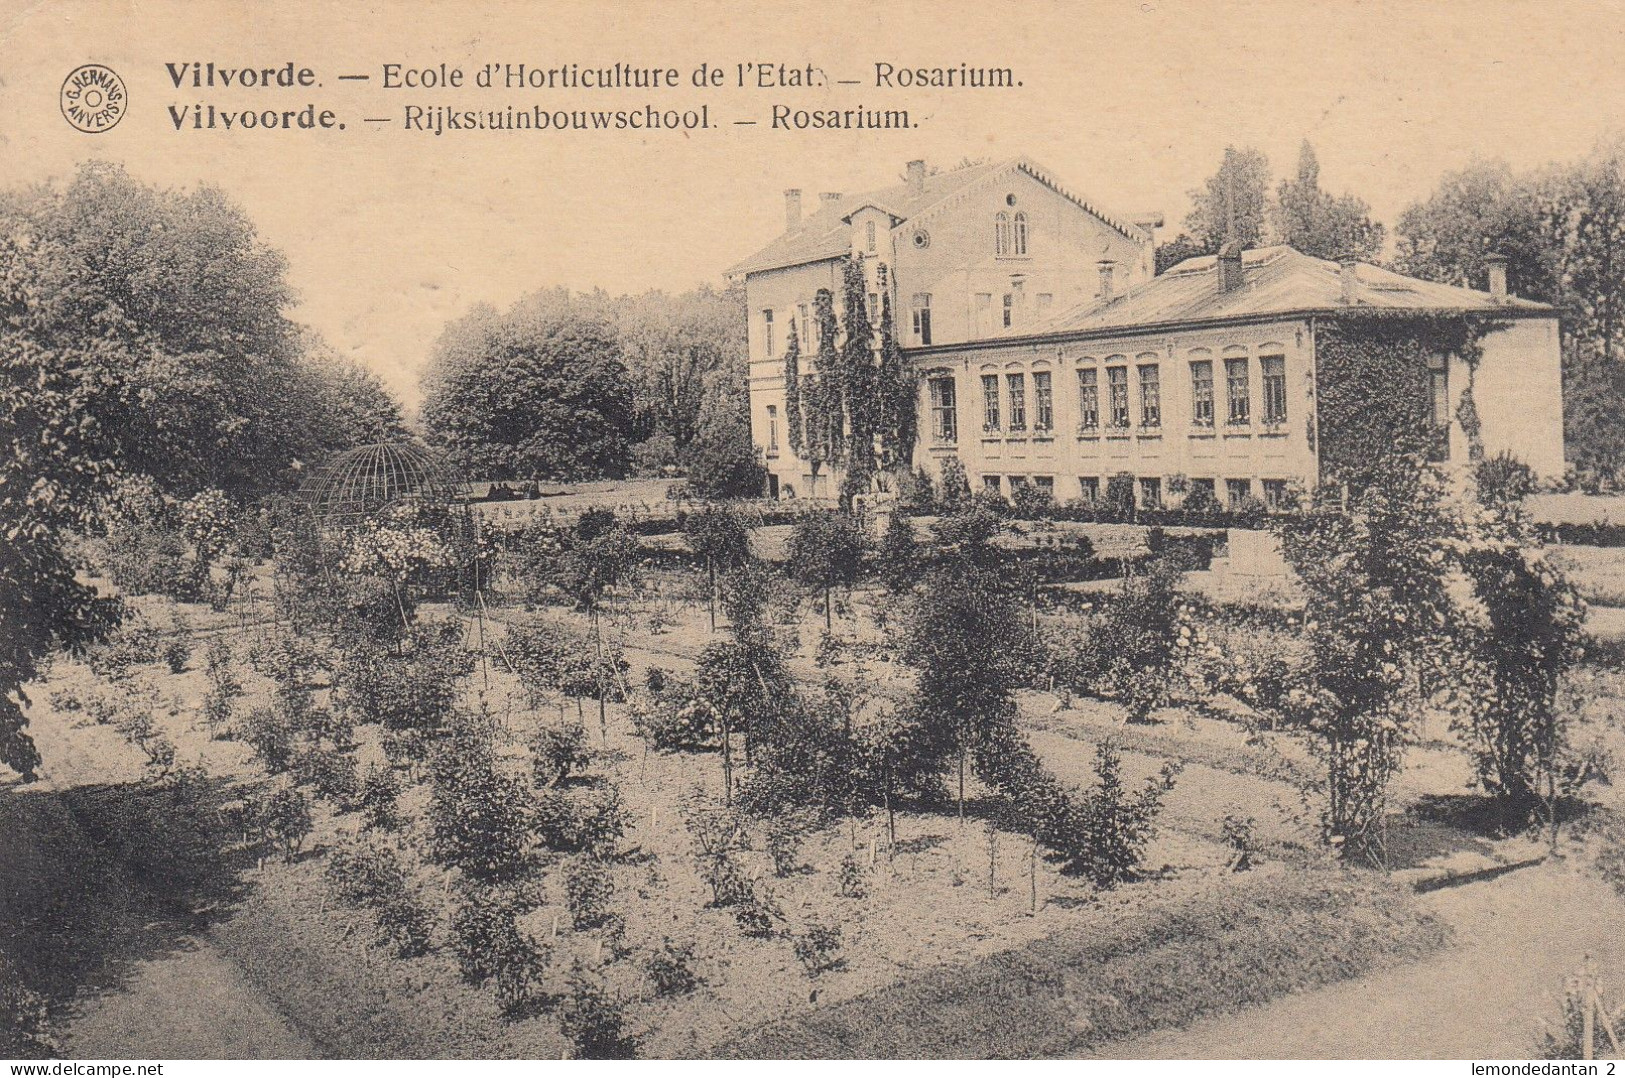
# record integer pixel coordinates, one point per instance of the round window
(1010, 199)
(922, 239)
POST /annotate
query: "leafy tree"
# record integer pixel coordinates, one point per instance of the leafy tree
(897, 395)
(539, 391)
(1235, 197)
(1318, 223)
(1376, 613)
(682, 355)
(720, 537)
(1177, 250)
(1517, 640)
(1481, 210)
(723, 462)
(961, 637)
(827, 550)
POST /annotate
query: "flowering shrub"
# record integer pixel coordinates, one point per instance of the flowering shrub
(208, 521)
(394, 545)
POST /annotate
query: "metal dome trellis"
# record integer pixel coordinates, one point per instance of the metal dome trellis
(359, 482)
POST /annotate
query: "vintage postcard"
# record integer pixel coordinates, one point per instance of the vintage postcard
(728, 530)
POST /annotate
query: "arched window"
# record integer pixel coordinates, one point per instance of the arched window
(1001, 234)
(1021, 234)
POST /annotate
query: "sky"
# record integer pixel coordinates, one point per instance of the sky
(390, 233)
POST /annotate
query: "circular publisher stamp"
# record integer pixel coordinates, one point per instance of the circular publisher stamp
(93, 98)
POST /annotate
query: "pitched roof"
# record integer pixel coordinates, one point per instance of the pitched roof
(1275, 280)
(825, 233)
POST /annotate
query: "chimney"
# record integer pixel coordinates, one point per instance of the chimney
(1147, 222)
(792, 208)
(916, 177)
(1348, 275)
(1107, 268)
(1497, 265)
(1229, 266)
(826, 199)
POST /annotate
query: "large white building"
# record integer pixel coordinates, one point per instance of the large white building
(1049, 354)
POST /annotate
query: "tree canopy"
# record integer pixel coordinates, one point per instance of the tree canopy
(178, 309)
(537, 391)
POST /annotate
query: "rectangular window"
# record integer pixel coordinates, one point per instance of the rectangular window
(1117, 395)
(1239, 390)
(990, 483)
(767, 332)
(1439, 405)
(806, 328)
(1088, 399)
(874, 306)
(1045, 483)
(1275, 493)
(922, 317)
(1089, 488)
(1203, 492)
(1236, 491)
(1017, 384)
(1150, 493)
(1009, 310)
(1150, 396)
(984, 313)
(1202, 392)
(1017, 482)
(1272, 373)
(1043, 401)
(944, 418)
(991, 411)
(869, 236)
(772, 428)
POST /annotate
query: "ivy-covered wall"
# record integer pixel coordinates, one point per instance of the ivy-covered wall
(1373, 389)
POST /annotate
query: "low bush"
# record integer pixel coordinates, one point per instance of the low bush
(365, 873)
(269, 733)
(177, 651)
(594, 1020)
(379, 798)
(851, 880)
(674, 717)
(558, 751)
(671, 969)
(818, 948)
(1240, 833)
(593, 820)
(489, 946)
(479, 817)
(756, 912)
(406, 923)
(331, 773)
(281, 819)
(588, 889)
(785, 833)
(136, 642)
